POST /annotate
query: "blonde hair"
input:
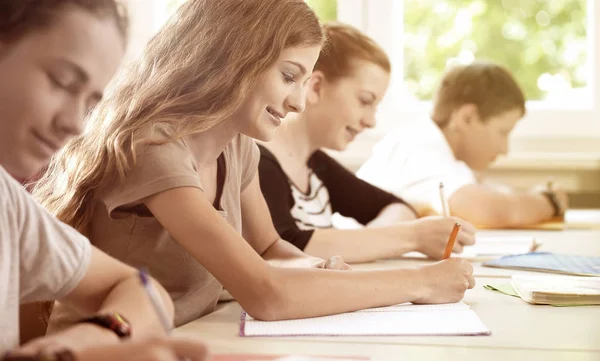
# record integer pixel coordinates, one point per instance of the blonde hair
(489, 86)
(346, 44)
(193, 74)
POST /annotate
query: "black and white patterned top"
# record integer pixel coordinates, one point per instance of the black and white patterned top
(332, 189)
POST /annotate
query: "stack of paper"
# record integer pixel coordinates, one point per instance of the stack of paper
(558, 290)
(405, 319)
(488, 246)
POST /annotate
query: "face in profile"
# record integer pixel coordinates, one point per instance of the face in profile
(280, 90)
(342, 109)
(51, 77)
(483, 141)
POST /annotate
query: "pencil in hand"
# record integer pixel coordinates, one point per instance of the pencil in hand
(445, 206)
(451, 241)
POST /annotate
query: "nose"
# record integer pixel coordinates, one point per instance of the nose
(296, 100)
(69, 121)
(369, 120)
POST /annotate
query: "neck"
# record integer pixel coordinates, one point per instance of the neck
(453, 140)
(295, 139)
(212, 141)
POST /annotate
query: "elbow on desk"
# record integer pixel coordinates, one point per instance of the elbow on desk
(268, 302)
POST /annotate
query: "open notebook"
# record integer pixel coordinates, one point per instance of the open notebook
(488, 246)
(400, 320)
(558, 290)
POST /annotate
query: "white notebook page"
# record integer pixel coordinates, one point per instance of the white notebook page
(491, 246)
(405, 319)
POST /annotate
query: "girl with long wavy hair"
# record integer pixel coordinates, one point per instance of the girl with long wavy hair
(165, 173)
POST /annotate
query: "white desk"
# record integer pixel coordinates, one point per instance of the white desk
(519, 330)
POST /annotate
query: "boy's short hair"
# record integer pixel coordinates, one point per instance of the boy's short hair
(489, 86)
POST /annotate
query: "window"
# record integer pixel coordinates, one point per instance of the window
(164, 9)
(325, 9)
(543, 43)
(555, 62)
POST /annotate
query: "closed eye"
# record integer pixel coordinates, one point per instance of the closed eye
(287, 77)
(72, 88)
(366, 103)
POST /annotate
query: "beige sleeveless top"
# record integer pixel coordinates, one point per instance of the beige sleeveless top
(124, 228)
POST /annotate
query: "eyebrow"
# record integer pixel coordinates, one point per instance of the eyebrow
(300, 66)
(82, 76)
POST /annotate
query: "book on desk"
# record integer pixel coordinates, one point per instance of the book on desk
(567, 264)
(557, 290)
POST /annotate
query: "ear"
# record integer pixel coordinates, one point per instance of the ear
(315, 87)
(464, 116)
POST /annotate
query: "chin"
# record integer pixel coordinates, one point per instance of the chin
(261, 135)
(340, 146)
(23, 170)
(479, 167)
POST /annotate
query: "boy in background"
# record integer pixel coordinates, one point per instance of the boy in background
(475, 108)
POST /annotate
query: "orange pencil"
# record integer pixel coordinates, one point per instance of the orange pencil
(451, 241)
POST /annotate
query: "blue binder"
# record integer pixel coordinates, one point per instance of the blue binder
(550, 262)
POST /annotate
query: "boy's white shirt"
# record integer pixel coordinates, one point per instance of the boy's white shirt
(412, 160)
(41, 258)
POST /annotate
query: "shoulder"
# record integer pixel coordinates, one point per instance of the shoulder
(266, 155)
(321, 161)
(242, 145)
(422, 132)
(9, 189)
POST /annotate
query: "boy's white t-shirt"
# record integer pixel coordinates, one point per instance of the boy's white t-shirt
(412, 160)
(41, 258)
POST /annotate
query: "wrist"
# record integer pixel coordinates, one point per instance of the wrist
(401, 238)
(421, 282)
(99, 334)
(551, 198)
(112, 323)
(410, 232)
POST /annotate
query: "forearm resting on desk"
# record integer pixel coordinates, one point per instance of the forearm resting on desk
(361, 245)
(483, 205)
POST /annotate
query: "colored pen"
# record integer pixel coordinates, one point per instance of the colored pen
(156, 301)
(451, 241)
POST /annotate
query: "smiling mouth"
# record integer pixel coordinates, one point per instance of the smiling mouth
(51, 146)
(277, 117)
(353, 132)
